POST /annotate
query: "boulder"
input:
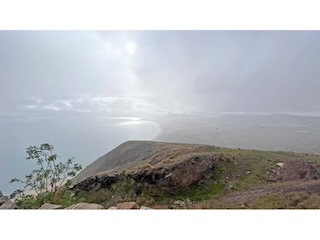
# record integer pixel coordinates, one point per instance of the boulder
(1, 194)
(85, 206)
(127, 205)
(3, 199)
(112, 208)
(9, 205)
(145, 208)
(51, 206)
(280, 164)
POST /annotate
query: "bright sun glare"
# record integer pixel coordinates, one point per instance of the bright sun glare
(131, 47)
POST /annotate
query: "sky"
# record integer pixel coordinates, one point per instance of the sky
(132, 73)
(86, 92)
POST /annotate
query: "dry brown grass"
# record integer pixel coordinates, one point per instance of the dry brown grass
(298, 200)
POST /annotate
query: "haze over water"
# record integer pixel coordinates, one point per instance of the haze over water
(85, 92)
(84, 138)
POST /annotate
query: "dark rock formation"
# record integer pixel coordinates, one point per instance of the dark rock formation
(184, 174)
(189, 172)
(99, 182)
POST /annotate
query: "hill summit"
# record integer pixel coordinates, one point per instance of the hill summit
(136, 154)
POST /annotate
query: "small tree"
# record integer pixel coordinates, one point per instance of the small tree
(50, 175)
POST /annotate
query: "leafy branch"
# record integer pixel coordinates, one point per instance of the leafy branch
(50, 175)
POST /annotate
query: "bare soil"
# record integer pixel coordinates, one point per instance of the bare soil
(294, 176)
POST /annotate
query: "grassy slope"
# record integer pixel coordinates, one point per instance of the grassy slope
(136, 154)
(246, 170)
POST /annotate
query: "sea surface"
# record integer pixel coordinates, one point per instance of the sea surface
(84, 138)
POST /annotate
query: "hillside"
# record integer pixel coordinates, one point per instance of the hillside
(171, 175)
(134, 154)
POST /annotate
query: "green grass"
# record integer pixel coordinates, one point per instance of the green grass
(246, 169)
(257, 163)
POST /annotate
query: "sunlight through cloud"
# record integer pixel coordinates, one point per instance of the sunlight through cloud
(131, 47)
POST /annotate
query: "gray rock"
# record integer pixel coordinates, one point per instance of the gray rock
(145, 208)
(112, 208)
(51, 206)
(85, 206)
(9, 205)
(3, 199)
(1, 194)
(280, 164)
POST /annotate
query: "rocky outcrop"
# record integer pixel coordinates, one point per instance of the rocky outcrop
(189, 172)
(185, 174)
(85, 206)
(294, 170)
(51, 206)
(96, 182)
(9, 205)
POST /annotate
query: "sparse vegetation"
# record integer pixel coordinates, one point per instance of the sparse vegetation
(242, 179)
(49, 182)
(298, 200)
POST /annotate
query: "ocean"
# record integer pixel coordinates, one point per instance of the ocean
(84, 138)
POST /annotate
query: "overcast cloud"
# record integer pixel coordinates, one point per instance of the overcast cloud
(134, 73)
(86, 92)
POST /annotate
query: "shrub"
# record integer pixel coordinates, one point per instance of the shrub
(48, 180)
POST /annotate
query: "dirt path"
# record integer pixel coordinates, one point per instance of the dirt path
(246, 197)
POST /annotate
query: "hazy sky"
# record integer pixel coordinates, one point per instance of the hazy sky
(134, 73)
(85, 92)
